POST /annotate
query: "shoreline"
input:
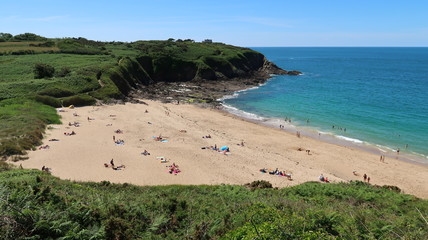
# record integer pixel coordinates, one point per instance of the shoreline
(81, 157)
(329, 138)
(314, 133)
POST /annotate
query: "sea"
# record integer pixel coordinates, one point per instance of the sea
(374, 98)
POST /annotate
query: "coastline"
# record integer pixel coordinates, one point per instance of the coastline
(316, 134)
(81, 157)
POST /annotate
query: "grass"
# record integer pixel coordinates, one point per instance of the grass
(87, 71)
(43, 207)
(10, 47)
(22, 122)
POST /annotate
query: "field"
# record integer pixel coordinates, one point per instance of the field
(7, 48)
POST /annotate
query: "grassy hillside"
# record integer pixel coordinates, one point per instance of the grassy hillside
(76, 71)
(35, 205)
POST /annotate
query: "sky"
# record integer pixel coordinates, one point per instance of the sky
(247, 23)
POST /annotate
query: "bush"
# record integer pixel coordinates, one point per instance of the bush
(260, 184)
(65, 71)
(56, 92)
(42, 70)
(48, 100)
(79, 100)
(29, 37)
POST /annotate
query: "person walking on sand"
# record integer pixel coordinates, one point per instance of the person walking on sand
(112, 162)
(365, 177)
(368, 179)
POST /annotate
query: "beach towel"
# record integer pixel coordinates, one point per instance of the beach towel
(224, 148)
(164, 140)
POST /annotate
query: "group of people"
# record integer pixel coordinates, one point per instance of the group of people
(366, 178)
(277, 172)
(173, 169)
(339, 128)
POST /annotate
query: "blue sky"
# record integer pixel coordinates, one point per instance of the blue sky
(243, 23)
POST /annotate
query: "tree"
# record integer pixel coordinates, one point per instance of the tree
(4, 37)
(42, 70)
(29, 37)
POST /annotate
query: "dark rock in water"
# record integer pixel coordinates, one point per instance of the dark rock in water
(294, 73)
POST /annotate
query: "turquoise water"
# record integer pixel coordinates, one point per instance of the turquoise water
(380, 95)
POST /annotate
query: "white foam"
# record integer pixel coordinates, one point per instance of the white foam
(349, 139)
(236, 94)
(241, 113)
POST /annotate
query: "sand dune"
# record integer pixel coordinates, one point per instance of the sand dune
(81, 156)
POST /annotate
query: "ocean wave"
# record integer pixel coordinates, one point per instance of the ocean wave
(354, 140)
(236, 94)
(242, 113)
(419, 154)
(383, 148)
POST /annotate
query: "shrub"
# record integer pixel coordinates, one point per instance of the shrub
(48, 100)
(79, 100)
(56, 92)
(65, 71)
(42, 70)
(260, 184)
(29, 37)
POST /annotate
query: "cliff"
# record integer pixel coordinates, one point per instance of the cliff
(172, 62)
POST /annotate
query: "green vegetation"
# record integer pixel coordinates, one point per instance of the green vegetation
(35, 205)
(22, 123)
(78, 71)
(38, 74)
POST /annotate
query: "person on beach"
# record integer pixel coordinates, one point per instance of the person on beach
(368, 179)
(112, 162)
(365, 177)
(114, 138)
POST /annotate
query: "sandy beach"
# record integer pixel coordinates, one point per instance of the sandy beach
(82, 156)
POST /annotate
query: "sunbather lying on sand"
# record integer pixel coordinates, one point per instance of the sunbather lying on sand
(119, 167)
(70, 134)
(145, 153)
(323, 179)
